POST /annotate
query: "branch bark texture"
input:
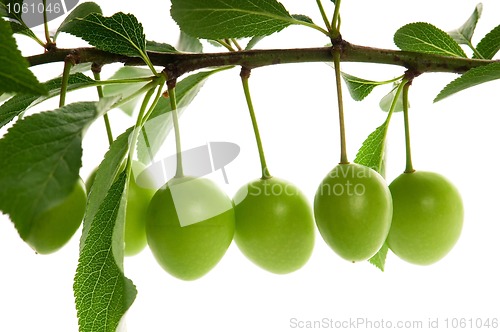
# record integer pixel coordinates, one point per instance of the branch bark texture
(180, 63)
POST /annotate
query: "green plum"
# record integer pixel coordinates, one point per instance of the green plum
(54, 227)
(189, 226)
(274, 225)
(428, 217)
(353, 211)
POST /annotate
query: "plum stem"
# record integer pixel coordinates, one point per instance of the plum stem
(245, 75)
(409, 165)
(338, 79)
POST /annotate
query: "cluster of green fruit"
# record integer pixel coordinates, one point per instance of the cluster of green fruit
(420, 214)
(189, 223)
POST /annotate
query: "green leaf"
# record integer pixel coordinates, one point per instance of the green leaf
(120, 33)
(379, 258)
(252, 42)
(21, 102)
(102, 292)
(81, 68)
(127, 89)
(371, 152)
(104, 178)
(104, 235)
(471, 78)
(463, 35)
(219, 19)
(359, 88)
(303, 18)
(387, 101)
(22, 30)
(40, 158)
(83, 10)
(489, 46)
(214, 43)
(159, 124)
(160, 47)
(426, 38)
(15, 75)
(187, 43)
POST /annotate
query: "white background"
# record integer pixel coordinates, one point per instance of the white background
(295, 106)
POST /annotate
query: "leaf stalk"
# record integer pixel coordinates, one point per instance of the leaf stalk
(175, 119)
(46, 24)
(336, 21)
(96, 70)
(323, 15)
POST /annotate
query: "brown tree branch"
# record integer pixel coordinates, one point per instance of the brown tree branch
(181, 63)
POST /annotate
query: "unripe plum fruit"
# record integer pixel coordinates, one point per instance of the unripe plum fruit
(189, 226)
(353, 211)
(54, 227)
(428, 217)
(274, 225)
